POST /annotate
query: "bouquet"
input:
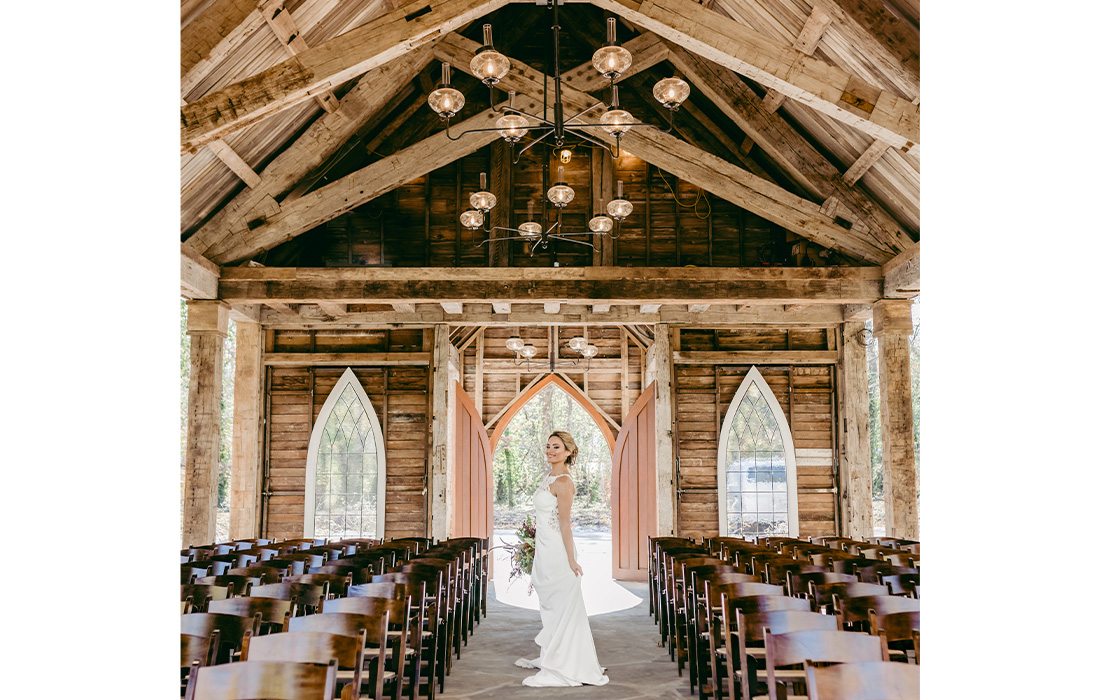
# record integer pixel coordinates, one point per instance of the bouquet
(523, 552)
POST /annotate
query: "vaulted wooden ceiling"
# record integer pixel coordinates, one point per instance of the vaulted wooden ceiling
(802, 112)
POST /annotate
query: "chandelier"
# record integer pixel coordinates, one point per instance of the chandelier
(525, 353)
(490, 66)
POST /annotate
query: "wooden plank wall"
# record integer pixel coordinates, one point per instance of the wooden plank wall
(296, 394)
(417, 223)
(702, 397)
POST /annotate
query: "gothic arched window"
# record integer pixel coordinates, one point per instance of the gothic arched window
(757, 484)
(346, 466)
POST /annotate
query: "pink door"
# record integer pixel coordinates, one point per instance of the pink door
(472, 509)
(634, 491)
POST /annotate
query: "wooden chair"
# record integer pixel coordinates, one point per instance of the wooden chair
(338, 584)
(195, 649)
(855, 611)
(432, 617)
(271, 680)
(898, 629)
(745, 644)
(403, 656)
(240, 585)
(866, 680)
(231, 631)
(202, 593)
(906, 584)
(798, 583)
(308, 598)
(359, 572)
(258, 573)
(317, 648)
(274, 614)
(824, 597)
(793, 649)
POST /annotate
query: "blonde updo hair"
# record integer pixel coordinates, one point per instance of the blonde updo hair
(570, 444)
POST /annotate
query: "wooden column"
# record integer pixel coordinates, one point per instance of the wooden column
(207, 324)
(437, 476)
(603, 191)
(500, 184)
(893, 324)
(855, 434)
(661, 363)
(244, 501)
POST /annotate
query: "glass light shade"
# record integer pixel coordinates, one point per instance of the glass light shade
(472, 218)
(611, 61)
(530, 229)
(560, 195)
(577, 343)
(446, 101)
(528, 351)
(483, 201)
(514, 343)
(512, 127)
(590, 351)
(616, 121)
(600, 223)
(619, 209)
(490, 66)
(671, 92)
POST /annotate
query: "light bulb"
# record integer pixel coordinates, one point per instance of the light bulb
(619, 209)
(611, 61)
(514, 343)
(528, 351)
(671, 92)
(446, 101)
(616, 121)
(471, 218)
(566, 155)
(483, 201)
(590, 351)
(512, 127)
(577, 343)
(560, 194)
(488, 64)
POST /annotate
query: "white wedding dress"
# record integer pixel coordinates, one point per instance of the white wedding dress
(567, 653)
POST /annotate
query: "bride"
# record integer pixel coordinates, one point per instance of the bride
(568, 655)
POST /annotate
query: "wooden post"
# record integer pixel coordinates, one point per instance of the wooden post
(855, 435)
(437, 476)
(661, 358)
(244, 502)
(893, 324)
(207, 324)
(500, 184)
(603, 189)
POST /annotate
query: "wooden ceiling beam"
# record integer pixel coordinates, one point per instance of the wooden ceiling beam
(525, 315)
(326, 203)
(218, 31)
(828, 89)
(792, 152)
(234, 162)
(282, 24)
(325, 66)
(702, 169)
(901, 276)
(612, 285)
(319, 142)
(198, 277)
(806, 42)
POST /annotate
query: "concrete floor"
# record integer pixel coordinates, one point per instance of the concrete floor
(627, 643)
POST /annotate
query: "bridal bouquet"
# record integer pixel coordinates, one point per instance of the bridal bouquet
(523, 552)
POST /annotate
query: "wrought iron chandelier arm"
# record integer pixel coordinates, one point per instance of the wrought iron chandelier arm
(569, 240)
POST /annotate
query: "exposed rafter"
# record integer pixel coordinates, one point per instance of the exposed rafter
(325, 66)
(826, 88)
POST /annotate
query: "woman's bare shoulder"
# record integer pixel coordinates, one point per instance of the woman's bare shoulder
(560, 487)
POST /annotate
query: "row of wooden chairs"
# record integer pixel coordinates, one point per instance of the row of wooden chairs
(696, 588)
(443, 584)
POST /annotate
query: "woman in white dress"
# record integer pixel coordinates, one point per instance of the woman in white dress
(567, 653)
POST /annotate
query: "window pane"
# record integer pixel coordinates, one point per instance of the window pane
(755, 465)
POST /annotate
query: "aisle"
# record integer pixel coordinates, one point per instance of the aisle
(627, 643)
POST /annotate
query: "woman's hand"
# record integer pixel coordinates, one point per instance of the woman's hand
(576, 568)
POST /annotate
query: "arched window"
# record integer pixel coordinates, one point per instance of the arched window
(346, 466)
(757, 481)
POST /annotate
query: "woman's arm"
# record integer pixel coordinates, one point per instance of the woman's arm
(564, 493)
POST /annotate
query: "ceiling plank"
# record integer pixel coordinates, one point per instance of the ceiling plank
(702, 169)
(325, 66)
(825, 88)
(873, 23)
(282, 24)
(213, 35)
(319, 142)
(786, 147)
(326, 203)
(583, 285)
